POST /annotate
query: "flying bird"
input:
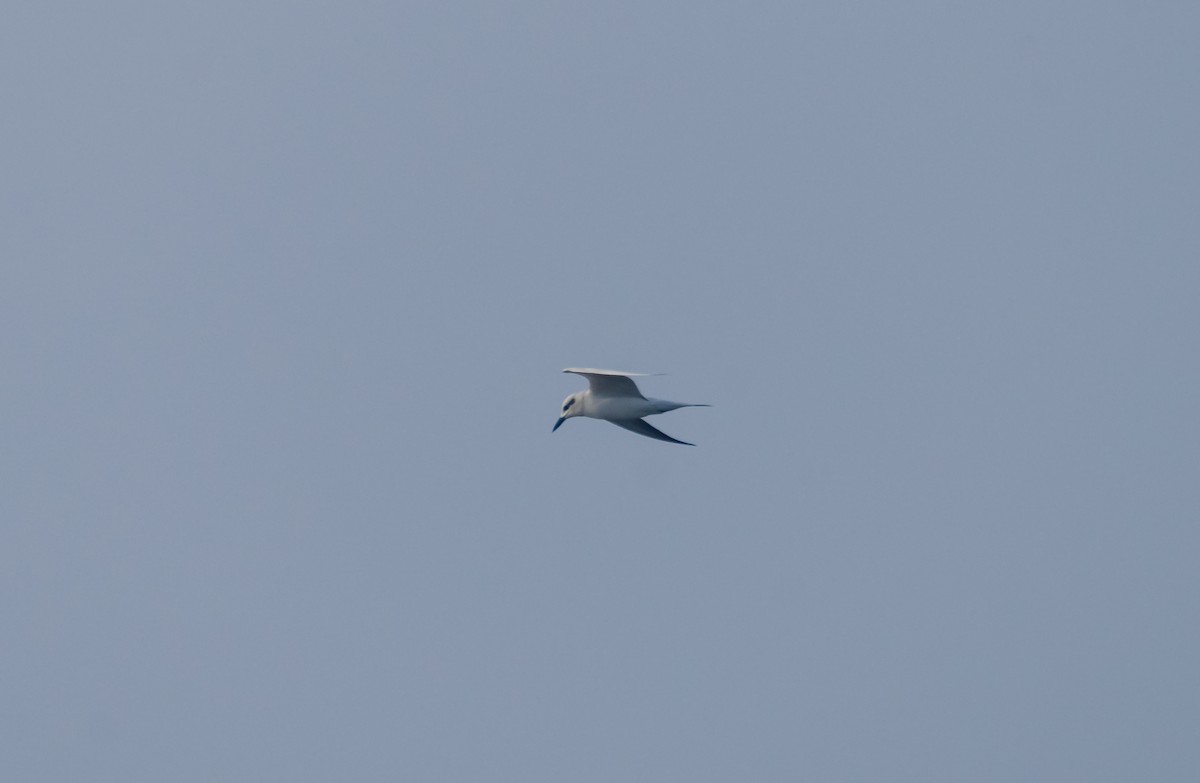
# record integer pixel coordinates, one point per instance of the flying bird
(614, 397)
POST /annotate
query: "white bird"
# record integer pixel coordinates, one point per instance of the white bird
(614, 397)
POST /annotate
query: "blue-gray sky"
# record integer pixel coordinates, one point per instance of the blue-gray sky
(286, 292)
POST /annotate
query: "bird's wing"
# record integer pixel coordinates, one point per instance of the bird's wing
(609, 383)
(642, 428)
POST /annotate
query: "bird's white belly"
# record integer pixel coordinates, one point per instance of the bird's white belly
(618, 408)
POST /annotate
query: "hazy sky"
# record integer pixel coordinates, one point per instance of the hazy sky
(286, 290)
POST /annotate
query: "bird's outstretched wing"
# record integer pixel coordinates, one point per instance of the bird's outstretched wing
(609, 383)
(642, 428)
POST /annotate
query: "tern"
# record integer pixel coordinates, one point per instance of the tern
(614, 397)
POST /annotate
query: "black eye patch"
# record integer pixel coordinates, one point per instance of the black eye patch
(569, 404)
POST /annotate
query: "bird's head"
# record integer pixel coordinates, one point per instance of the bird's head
(570, 407)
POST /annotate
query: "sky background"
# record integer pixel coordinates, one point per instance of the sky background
(286, 290)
